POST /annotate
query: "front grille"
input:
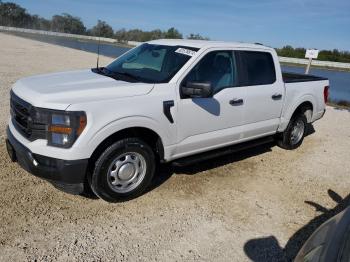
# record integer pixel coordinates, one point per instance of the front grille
(23, 114)
(20, 113)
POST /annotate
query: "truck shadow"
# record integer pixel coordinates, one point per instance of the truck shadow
(165, 171)
(268, 248)
(211, 105)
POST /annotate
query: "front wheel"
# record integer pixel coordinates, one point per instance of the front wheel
(294, 134)
(123, 171)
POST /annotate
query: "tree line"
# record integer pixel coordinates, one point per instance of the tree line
(325, 55)
(12, 14)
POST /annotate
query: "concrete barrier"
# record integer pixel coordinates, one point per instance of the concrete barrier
(134, 43)
(302, 61)
(42, 32)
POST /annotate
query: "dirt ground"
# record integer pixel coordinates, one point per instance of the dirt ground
(248, 206)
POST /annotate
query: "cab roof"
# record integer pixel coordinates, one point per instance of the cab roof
(206, 43)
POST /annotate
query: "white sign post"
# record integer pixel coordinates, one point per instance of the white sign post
(311, 54)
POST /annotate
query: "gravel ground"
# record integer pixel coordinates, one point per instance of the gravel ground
(249, 206)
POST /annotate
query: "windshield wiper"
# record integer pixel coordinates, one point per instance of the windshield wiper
(114, 74)
(102, 71)
(117, 75)
(128, 75)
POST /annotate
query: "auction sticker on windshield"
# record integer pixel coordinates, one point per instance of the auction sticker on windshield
(185, 51)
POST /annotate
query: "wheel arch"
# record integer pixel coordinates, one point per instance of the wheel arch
(306, 103)
(152, 138)
(306, 108)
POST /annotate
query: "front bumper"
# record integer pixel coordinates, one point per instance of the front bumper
(67, 175)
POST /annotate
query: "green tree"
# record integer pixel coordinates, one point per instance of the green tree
(324, 55)
(142, 36)
(121, 35)
(12, 14)
(40, 23)
(101, 29)
(67, 23)
(156, 34)
(172, 33)
(135, 35)
(197, 37)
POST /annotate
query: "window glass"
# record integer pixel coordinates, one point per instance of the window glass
(217, 68)
(259, 68)
(152, 63)
(151, 59)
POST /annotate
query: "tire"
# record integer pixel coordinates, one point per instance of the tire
(291, 139)
(123, 171)
(87, 191)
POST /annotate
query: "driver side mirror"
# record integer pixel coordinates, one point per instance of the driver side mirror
(197, 89)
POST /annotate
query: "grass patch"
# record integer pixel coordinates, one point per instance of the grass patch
(339, 104)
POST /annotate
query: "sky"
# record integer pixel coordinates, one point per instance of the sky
(321, 24)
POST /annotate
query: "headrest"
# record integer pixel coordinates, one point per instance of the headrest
(222, 63)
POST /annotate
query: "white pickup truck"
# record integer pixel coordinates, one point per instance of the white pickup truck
(176, 101)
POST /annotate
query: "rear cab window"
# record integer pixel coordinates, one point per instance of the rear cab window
(256, 68)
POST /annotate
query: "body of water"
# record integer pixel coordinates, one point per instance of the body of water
(106, 49)
(339, 80)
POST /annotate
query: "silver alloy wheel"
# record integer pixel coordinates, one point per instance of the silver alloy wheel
(126, 172)
(297, 132)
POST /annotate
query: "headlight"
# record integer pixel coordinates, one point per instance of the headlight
(63, 127)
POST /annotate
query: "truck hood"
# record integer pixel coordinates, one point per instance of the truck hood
(59, 90)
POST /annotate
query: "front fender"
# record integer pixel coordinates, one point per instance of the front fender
(129, 122)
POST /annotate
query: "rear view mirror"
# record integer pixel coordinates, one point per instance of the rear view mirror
(155, 54)
(197, 89)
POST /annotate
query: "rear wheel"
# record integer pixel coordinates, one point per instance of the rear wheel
(294, 134)
(123, 171)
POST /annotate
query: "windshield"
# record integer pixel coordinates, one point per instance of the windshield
(151, 63)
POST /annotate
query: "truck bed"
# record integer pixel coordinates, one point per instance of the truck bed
(294, 77)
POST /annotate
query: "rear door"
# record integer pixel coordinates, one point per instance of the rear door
(264, 92)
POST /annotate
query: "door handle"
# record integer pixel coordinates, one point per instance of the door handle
(276, 96)
(236, 102)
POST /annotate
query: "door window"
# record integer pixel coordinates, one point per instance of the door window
(217, 68)
(258, 68)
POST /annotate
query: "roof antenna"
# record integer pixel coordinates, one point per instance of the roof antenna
(98, 46)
